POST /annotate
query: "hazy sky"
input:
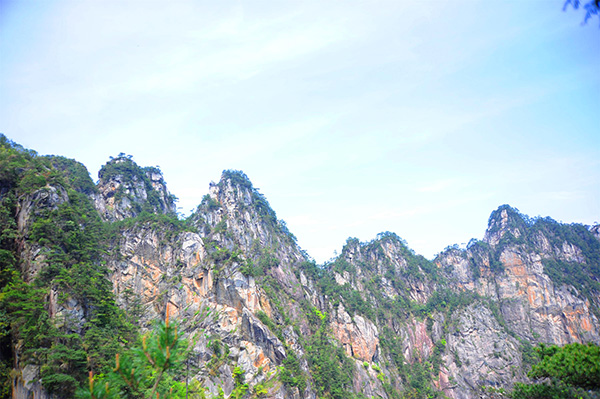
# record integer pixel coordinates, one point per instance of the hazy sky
(353, 118)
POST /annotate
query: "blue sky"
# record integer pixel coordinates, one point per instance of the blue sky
(353, 118)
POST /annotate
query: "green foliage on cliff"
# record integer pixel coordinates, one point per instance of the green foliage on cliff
(571, 371)
(569, 253)
(331, 370)
(575, 364)
(237, 178)
(336, 293)
(131, 175)
(168, 225)
(291, 374)
(514, 220)
(65, 231)
(76, 174)
(581, 271)
(65, 320)
(585, 273)
(146, 370)
(408, 379)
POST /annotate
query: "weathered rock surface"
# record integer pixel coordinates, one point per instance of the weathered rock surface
(479, 353)
(245, 293)
(159, 270)
(124, 190)
(358, 335)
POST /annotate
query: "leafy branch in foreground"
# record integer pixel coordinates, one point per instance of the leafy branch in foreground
(144, 371)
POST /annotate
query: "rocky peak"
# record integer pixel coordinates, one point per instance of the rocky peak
(125, 190)
(236, 222)
(504, 220)
(236, 214)
(390, 262)
(234, 278)
(376, 255)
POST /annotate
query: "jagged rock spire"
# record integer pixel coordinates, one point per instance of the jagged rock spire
(126, 189)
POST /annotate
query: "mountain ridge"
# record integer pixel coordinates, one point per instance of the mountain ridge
(376, 321)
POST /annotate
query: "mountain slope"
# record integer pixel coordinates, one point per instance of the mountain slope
(100, 261)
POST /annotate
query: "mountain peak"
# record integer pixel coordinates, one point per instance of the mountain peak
(503, 220)
(125, 190)
(236, 178)
(236, 206)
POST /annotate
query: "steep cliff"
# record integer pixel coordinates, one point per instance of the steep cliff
(542, 274)
(227, 273)
(125, 190)
(86, 266)
(57, 309)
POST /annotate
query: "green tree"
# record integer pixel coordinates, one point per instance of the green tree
(145, 371)
(571, 371)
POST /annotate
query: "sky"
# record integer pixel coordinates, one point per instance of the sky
(351, 117)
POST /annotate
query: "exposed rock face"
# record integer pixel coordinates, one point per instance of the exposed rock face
(536, 309)
(503, 221)
(125, 190)
(247, 295)
(236, 217)
(181, 272)
(159, 272)
(383, 259)
(595, 230)
(233, 206)
(192, 271)
(533, 305)
(479, 353)
(27, 384)
(358, 335)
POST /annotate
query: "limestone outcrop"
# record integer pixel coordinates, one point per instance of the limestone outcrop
(247, 297)
(125, 190)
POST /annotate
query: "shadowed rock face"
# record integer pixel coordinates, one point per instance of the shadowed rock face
(246, 295)
(29, 208)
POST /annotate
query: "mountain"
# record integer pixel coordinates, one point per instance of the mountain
(88, 267)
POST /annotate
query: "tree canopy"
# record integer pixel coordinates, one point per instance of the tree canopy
(571, 371)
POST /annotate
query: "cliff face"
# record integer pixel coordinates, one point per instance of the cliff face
(378, 320)
(515, 265)
(125, 190)
(198, 275)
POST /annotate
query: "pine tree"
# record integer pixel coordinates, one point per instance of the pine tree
(145, 370)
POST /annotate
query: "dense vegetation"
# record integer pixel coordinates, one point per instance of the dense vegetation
(147, 370)
(67, 233)
(68, 236)
(410, 379)
(572, 371)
